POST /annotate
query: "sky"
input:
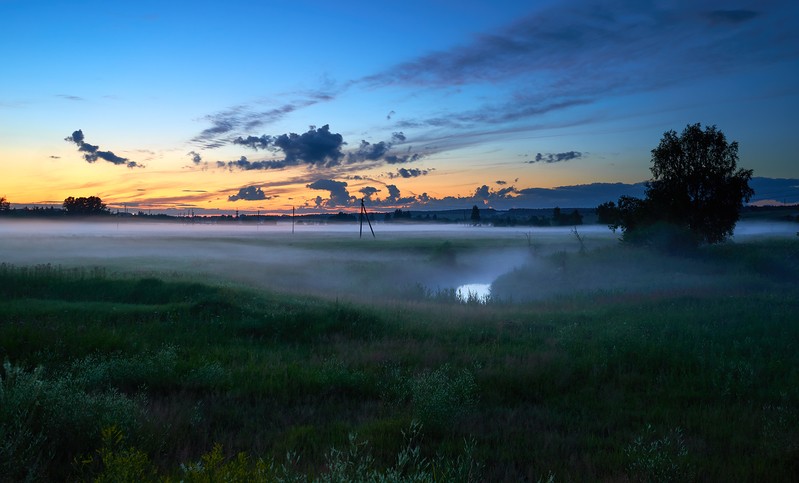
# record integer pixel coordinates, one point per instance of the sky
(267, 106)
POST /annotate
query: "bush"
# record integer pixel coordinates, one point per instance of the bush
(658, 458)
(45, 423)
(438, 398)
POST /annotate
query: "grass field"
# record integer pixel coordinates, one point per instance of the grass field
(602, 364)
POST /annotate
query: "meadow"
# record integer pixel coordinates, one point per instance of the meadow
(224, 354)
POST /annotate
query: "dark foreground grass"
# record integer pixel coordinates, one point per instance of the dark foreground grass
(144, 379)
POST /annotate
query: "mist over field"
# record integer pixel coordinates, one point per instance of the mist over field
(181, 343)
(402, 260)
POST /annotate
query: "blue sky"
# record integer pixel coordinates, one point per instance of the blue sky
(269, 105)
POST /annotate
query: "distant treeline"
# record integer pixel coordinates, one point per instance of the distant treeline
(488, 216)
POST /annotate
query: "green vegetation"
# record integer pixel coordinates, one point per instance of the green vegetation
(113, 378)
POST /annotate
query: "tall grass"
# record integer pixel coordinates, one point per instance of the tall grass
(114, 378)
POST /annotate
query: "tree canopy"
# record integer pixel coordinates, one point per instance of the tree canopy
(695, 195)
(91, 205)
(4, 204)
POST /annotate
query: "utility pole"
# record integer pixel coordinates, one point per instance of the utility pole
(365, 214)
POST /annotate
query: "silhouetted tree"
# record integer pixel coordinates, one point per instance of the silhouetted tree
(91, 205)
(4, 204)
(402, 215)
(607, 214)
(696, 192)
(475, 215)
(341, 216)
(572, 219)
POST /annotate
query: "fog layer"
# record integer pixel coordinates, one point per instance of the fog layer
(332, 261)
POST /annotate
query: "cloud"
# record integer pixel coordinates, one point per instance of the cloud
(402, 159)
(93, 153)
(254, 142)
(367, 151)
(500, 182)
(408, 173)
(195, 157)
(380, 151)
(368, 191)
(556, 157)
(238, 118)
(571, 38)
(339, 196)
(245, 164)
(575, 53)
(316, 147)
(249, 193)
(560, 57)
(70, 97)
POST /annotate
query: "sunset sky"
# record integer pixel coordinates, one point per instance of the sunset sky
(178, 106)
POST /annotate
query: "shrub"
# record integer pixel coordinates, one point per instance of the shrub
(44, 422)
(658, 458)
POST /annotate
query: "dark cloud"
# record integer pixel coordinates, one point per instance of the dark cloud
(408, 173)
(556, 157)
(487, 194)
(254, 142)
(55, 157)
(368, 191)
(500, 182)
(380, 151)
(371, 152)
(403, 158)
(317, 147)
(77, 137)
(195, 157)
(245, 164)
(93, 153)
(249, 193)
(393, 192)
(390, 114)
(395, 198)
(70, 97)
(339, 196)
